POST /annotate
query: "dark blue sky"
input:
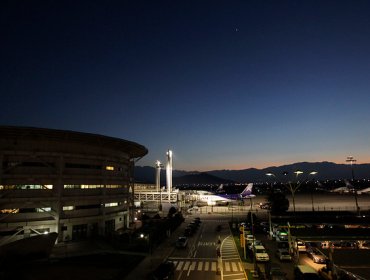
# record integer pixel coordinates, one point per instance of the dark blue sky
(224, 84)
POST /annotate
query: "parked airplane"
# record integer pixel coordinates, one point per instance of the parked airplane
(341, 190)
(219, 198)
(364, 191)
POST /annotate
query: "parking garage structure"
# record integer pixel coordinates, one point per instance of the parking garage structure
(79, 185)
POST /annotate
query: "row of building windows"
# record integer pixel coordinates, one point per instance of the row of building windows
(65, 208)
(50, 187)
(94, 186)
(26, 187)
(12, 164)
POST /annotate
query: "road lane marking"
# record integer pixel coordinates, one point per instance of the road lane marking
(179, 266)
(214, 266)
(192, 267)
(227, 266)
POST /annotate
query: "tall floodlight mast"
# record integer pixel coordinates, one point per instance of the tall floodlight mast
(169, 172)
(158, 167)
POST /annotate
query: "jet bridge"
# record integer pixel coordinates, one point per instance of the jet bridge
(146, 196)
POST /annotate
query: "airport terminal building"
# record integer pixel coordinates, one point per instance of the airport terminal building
(77, 184)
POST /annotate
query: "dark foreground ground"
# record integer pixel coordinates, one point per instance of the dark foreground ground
(91, 267)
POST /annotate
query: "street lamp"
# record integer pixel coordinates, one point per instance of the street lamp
(255, 271)
(269, 208)
(313, 208)
(293, 186)
(146, 237)
(351, 160)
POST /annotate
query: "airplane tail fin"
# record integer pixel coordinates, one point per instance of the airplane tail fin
(247, 191)
(348, 184)
(220, 188)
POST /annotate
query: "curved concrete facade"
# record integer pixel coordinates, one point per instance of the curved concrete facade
(77, 184)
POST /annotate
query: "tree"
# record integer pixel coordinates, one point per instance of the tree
(278, 202)
(172, 211)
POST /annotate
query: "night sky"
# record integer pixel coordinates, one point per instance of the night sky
(224, 84)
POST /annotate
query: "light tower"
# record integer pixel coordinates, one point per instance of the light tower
(169, 172)
(158, 166)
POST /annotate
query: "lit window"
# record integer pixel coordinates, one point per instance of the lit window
(91, 186)
(110, 168)
(67, 208)
(112, 204)
(9, 211)
(45, 209)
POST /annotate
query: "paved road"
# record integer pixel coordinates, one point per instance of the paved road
(200, 260)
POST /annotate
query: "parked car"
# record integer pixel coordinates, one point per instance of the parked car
(194, 225)
(265, 205)
(165, 271)
(191, 228)
(188, 231)
(249, 238)
(193, 209)
(281, 236)
(349, 245)
(254, 243)
(283, 255)
(301, 246)
(182, 242)
(282, 245)
(316, 255)
(323, 245)
(260, 253)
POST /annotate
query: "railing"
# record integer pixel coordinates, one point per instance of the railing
(81, 213)
(26, 217)
(38, 193)
(155, 196)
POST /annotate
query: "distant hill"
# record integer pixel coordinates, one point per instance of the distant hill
(200, 178)
(146, 174)
(326, 171)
